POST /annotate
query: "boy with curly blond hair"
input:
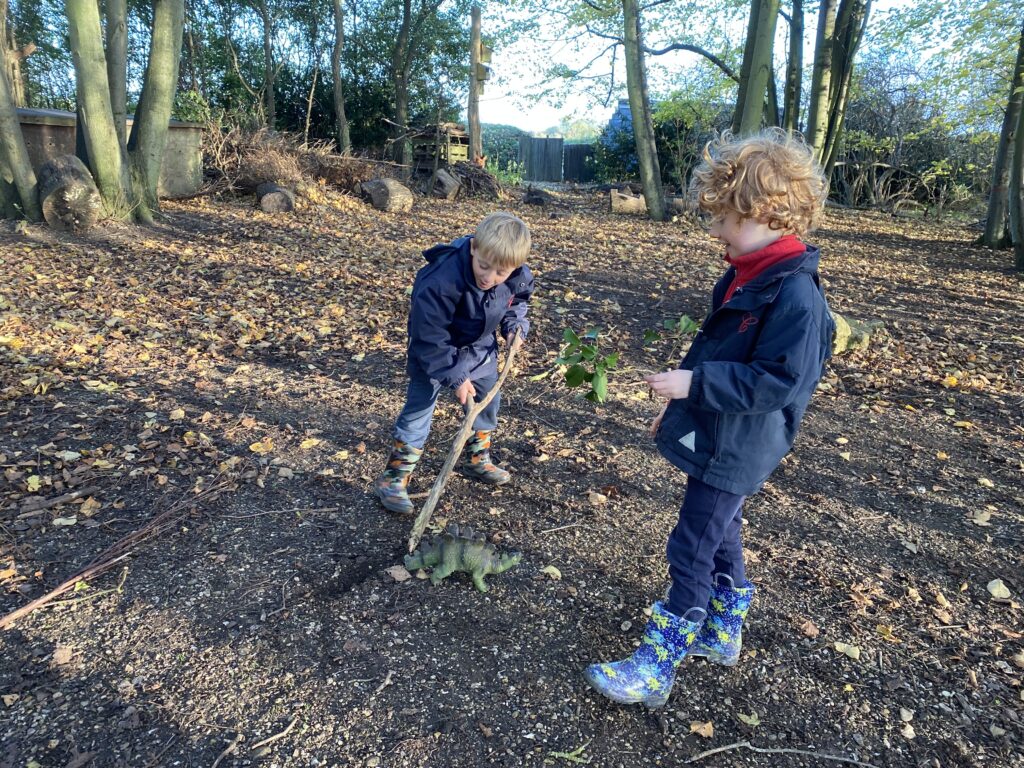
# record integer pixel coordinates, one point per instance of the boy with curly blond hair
(736, 401)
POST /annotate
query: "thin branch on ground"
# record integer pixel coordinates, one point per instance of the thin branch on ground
(777, 751)
(276, 736)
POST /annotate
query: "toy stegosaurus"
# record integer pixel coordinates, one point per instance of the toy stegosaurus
(461, 549)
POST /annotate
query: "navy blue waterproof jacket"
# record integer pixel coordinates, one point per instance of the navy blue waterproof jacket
(453, 324)
(756, 362)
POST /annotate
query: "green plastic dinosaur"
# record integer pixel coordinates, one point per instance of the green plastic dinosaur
(461, 550)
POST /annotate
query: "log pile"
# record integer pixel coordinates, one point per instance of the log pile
(68, 194)
(476, 180)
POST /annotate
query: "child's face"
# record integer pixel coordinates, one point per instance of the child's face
(486, 273)
(740, 236)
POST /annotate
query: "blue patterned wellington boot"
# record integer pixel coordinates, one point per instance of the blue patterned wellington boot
(721, 637)
(646, 677)
(390, 486)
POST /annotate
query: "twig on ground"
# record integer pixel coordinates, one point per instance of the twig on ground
(33, 507)
(561, 528)
(276, 736)
(294, 510)
(385, 684)
(776, 751)
(123, 547)
(229, 749)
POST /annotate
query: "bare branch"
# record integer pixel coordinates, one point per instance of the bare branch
(698, 50)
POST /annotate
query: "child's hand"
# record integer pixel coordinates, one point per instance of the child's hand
(656, 424)
(465, 391)
(672, 385)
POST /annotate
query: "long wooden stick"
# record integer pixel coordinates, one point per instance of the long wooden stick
(456, 450)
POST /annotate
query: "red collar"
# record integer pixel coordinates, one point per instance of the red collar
(750, 265)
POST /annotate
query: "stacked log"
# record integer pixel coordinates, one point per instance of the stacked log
(68, 195)
(446, 186)
(275, 199)
(386, 195)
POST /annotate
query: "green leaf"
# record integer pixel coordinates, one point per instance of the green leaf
(540, 376)
(611, 360)
(575, 375)
(650, 337)
(570, 360)
(570, 337)
(600, 385)
(588, 352)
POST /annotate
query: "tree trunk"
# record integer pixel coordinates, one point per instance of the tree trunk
(748, 49)
(794, 69)
(275, 199)
(68, 195)
(473, 111)
(11, 57)
(14, 154)
(995, 235)
(149, 130)
(309, 101)
(107, 159)
(821, 79)
(760, 49)
(269, 105)
(1016, 195)
(851, 25)
(344, 140)
(640, 107)
(117, 63)
(400, 56)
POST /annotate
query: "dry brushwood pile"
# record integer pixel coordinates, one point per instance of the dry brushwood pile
(201, 408)
(238, 160)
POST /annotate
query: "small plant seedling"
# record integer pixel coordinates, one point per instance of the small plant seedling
(585, 364)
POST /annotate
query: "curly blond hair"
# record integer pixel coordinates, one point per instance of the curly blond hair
(770, 176)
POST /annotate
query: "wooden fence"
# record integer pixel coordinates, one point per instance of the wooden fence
(551, 159)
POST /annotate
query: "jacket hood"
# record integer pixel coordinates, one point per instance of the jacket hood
(443, 251)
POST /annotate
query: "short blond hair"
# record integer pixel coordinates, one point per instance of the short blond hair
(504, 239)
(770, 177)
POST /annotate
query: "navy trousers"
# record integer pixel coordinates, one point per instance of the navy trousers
(413, 425)
(705, 541)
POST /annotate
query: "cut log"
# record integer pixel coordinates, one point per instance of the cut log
(536, 196)
(68, 194)
(852, 334)
(275, 199)
(623, 202)
(387, 195)
(445, 185)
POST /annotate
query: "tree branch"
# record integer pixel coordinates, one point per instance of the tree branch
(698, 50)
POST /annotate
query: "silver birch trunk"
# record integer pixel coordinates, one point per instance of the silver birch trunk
(269, 104)
(640, 107)
(344, 139)
(998, 200)
(149, 130)
(107, 159)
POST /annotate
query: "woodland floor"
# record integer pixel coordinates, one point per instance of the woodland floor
(240, 373)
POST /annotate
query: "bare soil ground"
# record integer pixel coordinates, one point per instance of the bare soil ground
(240, 373)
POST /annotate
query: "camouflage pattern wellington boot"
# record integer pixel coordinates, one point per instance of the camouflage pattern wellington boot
(477, 463)
(391, 484)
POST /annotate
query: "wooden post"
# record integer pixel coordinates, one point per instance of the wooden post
(459, 443)
(476, 149)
